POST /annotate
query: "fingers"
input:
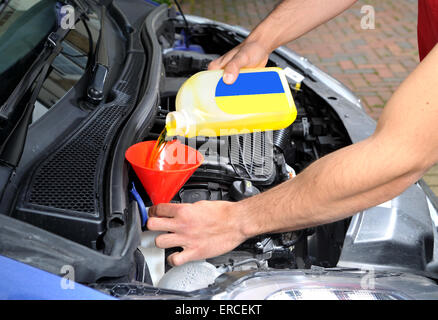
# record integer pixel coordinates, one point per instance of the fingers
(168, 240)
(179, 258)
(163, 210)
(215, 64)
(220, 62)
(246, 55)
(162, 224)
(232, 62)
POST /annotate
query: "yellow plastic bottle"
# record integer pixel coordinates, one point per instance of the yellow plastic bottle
(259, 100)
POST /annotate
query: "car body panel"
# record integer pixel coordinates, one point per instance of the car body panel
(23, 282)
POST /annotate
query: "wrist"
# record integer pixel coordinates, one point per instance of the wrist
(263, 39)
(245, 219)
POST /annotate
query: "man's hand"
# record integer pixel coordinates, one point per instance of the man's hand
(204, 229)
(289, 20)
(249, 54)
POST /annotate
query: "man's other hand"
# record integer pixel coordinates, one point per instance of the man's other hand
(249, 54)
(204, 229)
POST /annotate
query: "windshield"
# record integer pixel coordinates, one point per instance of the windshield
(24, 25)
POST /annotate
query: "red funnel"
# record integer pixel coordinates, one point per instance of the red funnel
(180, 161)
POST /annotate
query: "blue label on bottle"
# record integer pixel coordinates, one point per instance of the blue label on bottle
(251, 83)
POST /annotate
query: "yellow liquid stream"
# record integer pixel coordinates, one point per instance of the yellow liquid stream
(156, 157)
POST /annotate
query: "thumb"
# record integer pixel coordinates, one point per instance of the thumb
(231, 71)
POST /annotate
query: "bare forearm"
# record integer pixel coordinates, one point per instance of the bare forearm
(362, 175)
(334, 187)
(293, 18)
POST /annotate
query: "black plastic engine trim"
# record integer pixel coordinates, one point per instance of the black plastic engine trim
(48, 251)
(141, 120)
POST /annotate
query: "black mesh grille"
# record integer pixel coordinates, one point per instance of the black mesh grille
(67, 179)
(65, 191)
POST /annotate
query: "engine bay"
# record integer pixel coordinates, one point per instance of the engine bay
(72, 189)
(251, 163)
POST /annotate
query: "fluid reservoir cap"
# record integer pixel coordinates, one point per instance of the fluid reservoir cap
(243, 189)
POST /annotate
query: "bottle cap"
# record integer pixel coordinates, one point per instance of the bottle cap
(177, 124)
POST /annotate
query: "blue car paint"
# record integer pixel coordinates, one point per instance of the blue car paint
(20, 281)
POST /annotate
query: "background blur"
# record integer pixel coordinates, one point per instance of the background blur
(372, 63)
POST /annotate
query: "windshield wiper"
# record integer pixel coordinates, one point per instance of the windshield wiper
(12, 147)
(95, 91)
(3, 5)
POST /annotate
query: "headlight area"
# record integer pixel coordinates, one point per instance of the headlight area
(327, 285)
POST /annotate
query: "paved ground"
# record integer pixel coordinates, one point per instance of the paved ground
(372, 63)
